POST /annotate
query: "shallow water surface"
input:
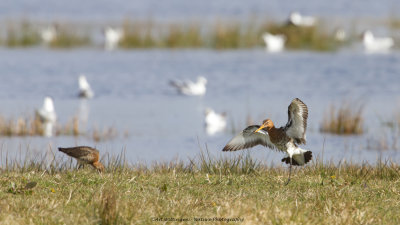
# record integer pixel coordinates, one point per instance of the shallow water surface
(182, 9)
(155, 123)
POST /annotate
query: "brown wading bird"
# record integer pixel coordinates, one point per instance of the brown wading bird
(84, 155)
(284, 139)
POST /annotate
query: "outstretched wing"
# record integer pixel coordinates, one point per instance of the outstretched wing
(247, 139)
(297, 122)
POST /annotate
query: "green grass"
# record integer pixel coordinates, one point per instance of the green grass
(21, 35)
(311, 38)
(207, 187)
(393, 22)
(69, 37)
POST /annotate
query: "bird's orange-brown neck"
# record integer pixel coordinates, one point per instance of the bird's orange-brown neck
(272, 131)
(98, 166)
(267, 124)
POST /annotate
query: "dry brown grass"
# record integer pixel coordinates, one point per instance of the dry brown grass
(138, 35)
(107, 133)
(71, 127)
(312, 38)
(345, 119)
(32, 126)
(221, 34)
(393, 22)
(69, 36)
(226, 35)
(29, 126)
(21, 34)
(108, 211)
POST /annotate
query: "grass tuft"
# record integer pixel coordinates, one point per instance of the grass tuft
(68, 37)
(311, 38)
(347, 119)
(21, 35)
(33, 126)
(226, 36)
(108, 207)
(107, 133)
(243, 164)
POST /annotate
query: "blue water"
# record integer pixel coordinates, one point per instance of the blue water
(182, 9)
(154, 122)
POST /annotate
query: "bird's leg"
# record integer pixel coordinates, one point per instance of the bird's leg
(290, 171)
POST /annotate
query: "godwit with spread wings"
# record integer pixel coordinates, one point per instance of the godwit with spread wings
(284, 139)
(84, 155)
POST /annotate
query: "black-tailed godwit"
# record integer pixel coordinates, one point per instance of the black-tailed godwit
(284, 139)
(84, 155)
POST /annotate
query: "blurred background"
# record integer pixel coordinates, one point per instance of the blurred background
(165, 80)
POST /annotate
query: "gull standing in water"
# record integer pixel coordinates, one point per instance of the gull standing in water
(374, 44)
(283, 139)
(47, 116)
(112, 37)
(191, 88)
(48, 34)
(274, 43)
(214, 122)
(84, 155)
(296, 19)
(85, 91)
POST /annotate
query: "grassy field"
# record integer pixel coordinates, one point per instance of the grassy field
(236, 189)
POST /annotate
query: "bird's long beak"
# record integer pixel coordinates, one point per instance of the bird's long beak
(261, 127)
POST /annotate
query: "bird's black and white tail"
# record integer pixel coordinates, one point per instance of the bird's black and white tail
(299, 159)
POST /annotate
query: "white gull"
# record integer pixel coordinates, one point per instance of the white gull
(112, 37)
(191, 88)
(47, 116)
(274, 43)
(374, 44)
(48, 34)
(299, 20)
(85, 91)
(214, 122)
